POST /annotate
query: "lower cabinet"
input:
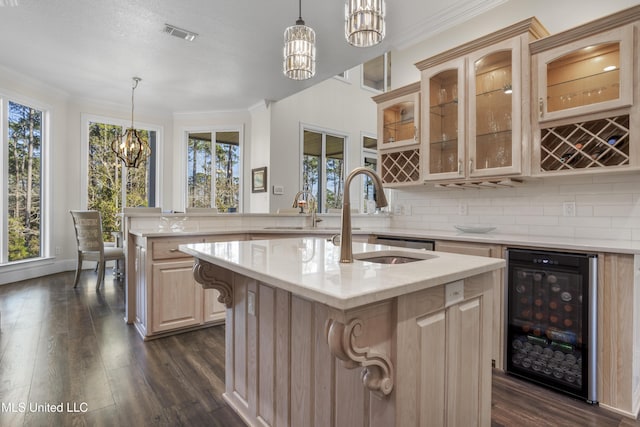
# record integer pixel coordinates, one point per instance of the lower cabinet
(491, 251)
(444, 366)
(168, 299)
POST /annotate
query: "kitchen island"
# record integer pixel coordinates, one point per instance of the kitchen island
(311, 341)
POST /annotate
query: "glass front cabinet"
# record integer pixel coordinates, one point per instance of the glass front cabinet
(584, 88)
(399, 151)
(475, 125)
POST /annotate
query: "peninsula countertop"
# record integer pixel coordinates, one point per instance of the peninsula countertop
(310, 267)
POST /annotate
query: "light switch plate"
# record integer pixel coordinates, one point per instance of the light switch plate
(453, 293)
(278, 189)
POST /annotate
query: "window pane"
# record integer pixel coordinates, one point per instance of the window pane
(227, 171)
(335, 166)
(25, 179)
(105, 176)
(104, 183)
(139, 179)
(376, 73)
(199, 170)
(311, 162)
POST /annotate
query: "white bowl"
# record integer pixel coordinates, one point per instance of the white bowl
(474, 228)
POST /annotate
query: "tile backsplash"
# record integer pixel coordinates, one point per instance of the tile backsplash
(598, 206)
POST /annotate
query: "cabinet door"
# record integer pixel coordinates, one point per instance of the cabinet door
(176, 296)
(398, 119)
(492, 251)
(465, 364)
(495, 94)
(586, 76)
(443, 89)
(214, 311)
(141, 288)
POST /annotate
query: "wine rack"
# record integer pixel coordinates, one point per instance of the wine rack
(400, 166)
(585, 145)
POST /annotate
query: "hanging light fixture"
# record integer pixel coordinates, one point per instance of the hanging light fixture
(299, 50)
(130, 148)
(364, 22)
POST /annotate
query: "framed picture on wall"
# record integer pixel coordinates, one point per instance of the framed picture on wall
(259, 180)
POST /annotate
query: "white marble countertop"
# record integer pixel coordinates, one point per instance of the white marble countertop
(310, 267)
(558, 243)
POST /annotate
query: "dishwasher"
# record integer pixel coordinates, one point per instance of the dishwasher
(404, 242)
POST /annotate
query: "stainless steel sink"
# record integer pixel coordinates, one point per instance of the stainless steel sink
(392, 257)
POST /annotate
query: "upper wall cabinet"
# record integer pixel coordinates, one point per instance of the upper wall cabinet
(590, 75)
(476, 125)
(585, 81)
(399, 153)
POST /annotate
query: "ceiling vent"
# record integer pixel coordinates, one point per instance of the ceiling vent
(180, 33)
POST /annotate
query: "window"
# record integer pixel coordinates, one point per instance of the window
(22, 233)
(110, 185)
(376, 73)
(213, 170)
(343, 76)
(323, 167)
(369, 160)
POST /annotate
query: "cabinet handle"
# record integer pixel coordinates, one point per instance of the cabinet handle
(541, 106)
(173, 250)
(470, 165)
(460, 172)
(415, 133)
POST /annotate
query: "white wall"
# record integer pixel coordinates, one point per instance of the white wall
(334, 105)
(259, 155)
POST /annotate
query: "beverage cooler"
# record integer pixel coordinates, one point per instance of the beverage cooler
(552, 320)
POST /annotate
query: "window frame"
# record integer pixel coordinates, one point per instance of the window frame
(386, 75)
(324, 131)
(185, 146)
(364, 154)
(86, 119)
(46, 249)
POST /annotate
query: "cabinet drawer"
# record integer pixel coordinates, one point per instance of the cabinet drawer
(168, 249)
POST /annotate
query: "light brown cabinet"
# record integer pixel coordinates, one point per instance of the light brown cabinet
(498, 316)
(168, 299)
(399, 152)
(293, 361)
(444, 365)
(584, 83)
(476, 114)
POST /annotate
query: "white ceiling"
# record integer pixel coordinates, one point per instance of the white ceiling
(91, 49)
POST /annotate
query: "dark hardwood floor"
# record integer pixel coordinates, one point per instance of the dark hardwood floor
(69, 349)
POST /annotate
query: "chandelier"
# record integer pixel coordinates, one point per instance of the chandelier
(130, 147)
(364, 22)
(299, 50)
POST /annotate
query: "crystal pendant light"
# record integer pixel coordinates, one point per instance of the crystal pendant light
(299, 50)
(364, 22)
(130, 147)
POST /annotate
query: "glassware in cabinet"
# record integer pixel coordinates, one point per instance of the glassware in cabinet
(398, 116)
(443, 88)
(585, 76)
(496, 110)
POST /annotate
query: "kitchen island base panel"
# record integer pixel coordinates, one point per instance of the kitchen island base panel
(282, 370)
